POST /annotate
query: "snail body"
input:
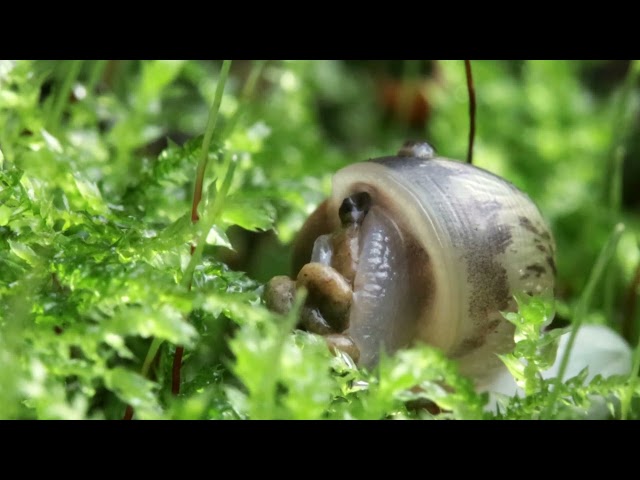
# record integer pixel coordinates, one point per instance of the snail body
(433, 251)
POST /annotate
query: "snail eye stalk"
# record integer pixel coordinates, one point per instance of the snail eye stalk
(354, 208)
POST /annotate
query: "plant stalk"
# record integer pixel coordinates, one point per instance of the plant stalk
(581, 308)
(208, 136)
(62, 96)
(472, 110)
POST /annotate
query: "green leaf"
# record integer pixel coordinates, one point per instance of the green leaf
(25, 252)
(156, 75)
(5, 68)
(134, 390)
(5, 215)
(52, 142)
(217, 236)
(90, 192)
(252, 214)
(165, 322)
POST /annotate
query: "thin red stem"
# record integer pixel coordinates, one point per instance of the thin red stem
(179, 353)
(128, 413)
(175, 372)
(472, 110)
(197, 196)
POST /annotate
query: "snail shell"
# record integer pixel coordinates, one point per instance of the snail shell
(439, 249)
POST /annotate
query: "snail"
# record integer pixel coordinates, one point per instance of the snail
(418, 248)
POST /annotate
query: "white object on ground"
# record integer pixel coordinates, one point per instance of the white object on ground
(598, 347)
